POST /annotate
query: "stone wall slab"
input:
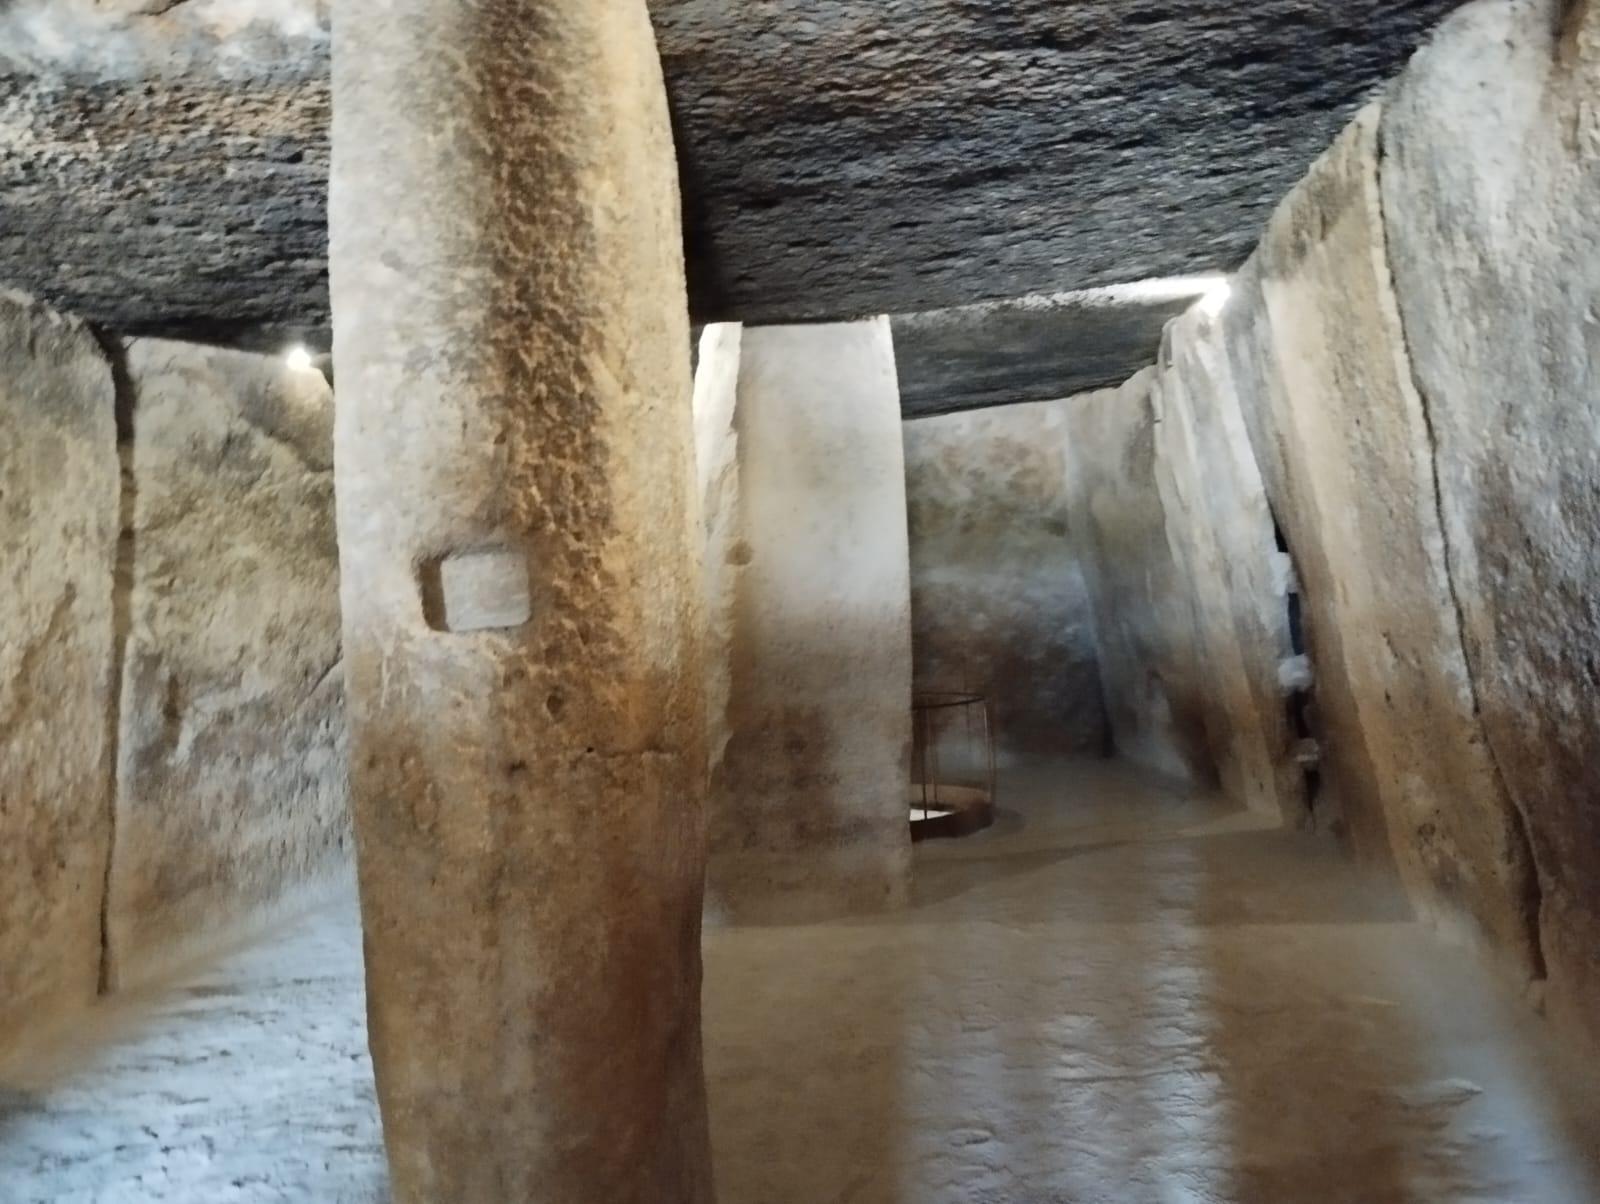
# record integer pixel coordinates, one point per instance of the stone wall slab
(1144, 630)
(58, 544)
(1220, 529)
(231, 775)
(1356, 496)
(1491, 194)
(997, 596)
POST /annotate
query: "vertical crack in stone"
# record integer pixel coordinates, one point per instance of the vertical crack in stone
(121, 624)
(1530, 889)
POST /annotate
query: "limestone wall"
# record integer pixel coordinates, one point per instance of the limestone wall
(170, 713)
(1393, 415)
(1410, 357)
(58, 538)
(1359, 503)
(1154, 695)
(997, 596)
(1491, 195)
(1221, 534)
(231, 768)
(809, 585)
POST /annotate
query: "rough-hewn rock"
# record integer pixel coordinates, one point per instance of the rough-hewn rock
(1359, 504)
(231, 768)
(58, 540)
(165, 173)
(1220, 529)
(1143, 627)
(168, 173)
(997, 595)
(811, 754)
(513, 351)
(1034, 349)
(1491, 188)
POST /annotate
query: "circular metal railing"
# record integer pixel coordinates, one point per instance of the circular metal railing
(952, 764)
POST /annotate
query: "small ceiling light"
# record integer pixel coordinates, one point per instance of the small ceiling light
(1216, 297)
(299, 360)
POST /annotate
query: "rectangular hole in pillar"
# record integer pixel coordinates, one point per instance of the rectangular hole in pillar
(481, 590)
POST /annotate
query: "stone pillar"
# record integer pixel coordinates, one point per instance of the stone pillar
(808, 570)
(521, 597)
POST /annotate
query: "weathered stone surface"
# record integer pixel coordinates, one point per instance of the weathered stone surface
(231, 775)
(997, 596)
(166, 173)
(809, 576)
(1034, 349)
(1144, 632)
(1491, 188)
(58, 540)
(1360, 508)
(1220, 530)
(513, 378)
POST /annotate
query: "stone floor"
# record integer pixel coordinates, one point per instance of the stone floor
(1117, 994)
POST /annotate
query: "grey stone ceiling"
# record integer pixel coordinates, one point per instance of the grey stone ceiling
(165, 171)
(1034, 349)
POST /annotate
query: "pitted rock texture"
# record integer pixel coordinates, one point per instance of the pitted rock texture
(513, 350)
(1359, 503)
(1491, 189)
(811, 607)
(1155, 697)
(998, 603)
(231, 773)
(59, 498)
(166, 172)
(1220, 530)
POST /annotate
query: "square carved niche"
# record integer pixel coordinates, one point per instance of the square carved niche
(483, 590)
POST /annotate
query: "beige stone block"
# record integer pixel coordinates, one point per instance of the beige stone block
(231, 774)
(1491, 195)
(58, 541)
(1342, 421)
(512, 339)
(1144, 628)
(809, 578)
(1220, 528)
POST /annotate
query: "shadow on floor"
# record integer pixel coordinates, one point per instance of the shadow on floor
(1122, 995)
(1119, 995)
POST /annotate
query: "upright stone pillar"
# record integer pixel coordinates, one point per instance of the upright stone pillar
(808, 571)
(521, 597)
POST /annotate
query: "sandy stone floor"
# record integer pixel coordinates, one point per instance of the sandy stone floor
(1116, 995)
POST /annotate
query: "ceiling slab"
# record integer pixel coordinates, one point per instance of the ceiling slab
(166, 172)
(1035, 349)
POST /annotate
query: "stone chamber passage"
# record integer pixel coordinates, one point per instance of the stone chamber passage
(514, 511)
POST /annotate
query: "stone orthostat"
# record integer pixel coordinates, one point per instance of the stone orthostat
(808, 569)
(528, 766)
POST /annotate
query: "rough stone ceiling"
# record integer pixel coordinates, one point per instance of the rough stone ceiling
(1033, 349)
(163, 163)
